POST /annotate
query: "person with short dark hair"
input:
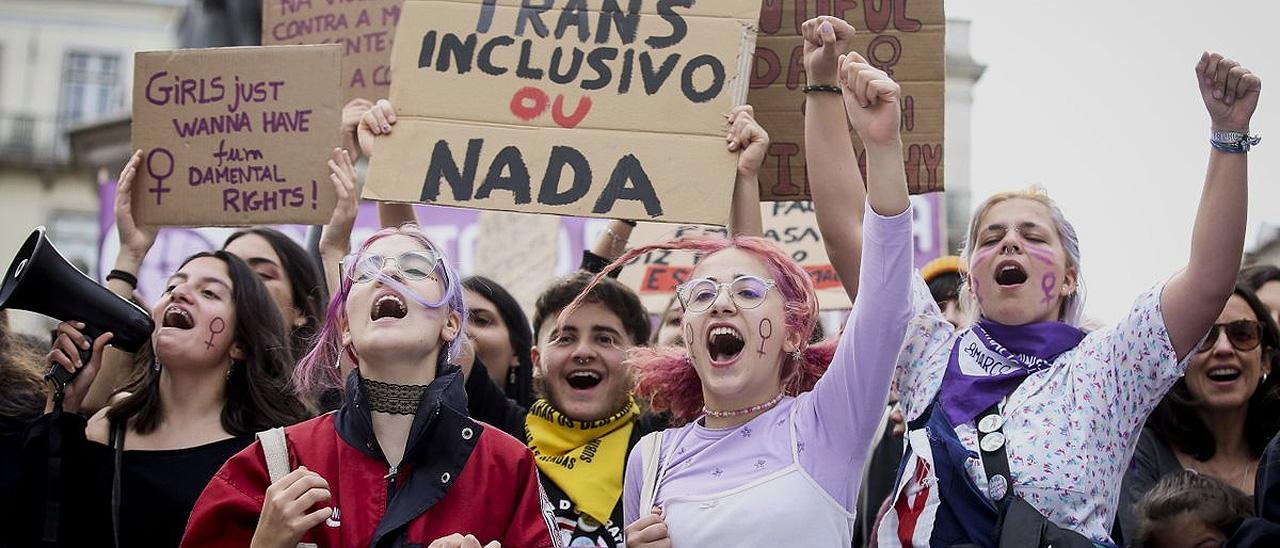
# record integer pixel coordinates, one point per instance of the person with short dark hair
(1189, 510)
(1217, 418)
(579, 379)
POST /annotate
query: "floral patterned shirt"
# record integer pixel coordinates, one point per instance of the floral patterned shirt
(1071, 428)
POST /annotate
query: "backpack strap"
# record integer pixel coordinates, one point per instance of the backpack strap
(651, 451)
(276, 449)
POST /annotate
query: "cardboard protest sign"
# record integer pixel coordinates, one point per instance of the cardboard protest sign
(791, 225)
(903, 38)
(364, 28)
(518, 251)
(235, 136)
(569, 107)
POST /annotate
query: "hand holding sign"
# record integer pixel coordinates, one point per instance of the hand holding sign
(375, 121)
(871, 99)
(825, 39)
(352, 112)
(135, 240)
(1230, 91)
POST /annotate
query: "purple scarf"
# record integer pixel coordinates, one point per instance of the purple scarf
(989, 360)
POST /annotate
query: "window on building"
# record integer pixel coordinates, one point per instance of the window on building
(92, 88)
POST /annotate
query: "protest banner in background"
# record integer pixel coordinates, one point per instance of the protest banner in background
(458, 232)
(600, 111)
(519, 251)
(235, 136)
(904, 38)
(792, 226)
(364, 28)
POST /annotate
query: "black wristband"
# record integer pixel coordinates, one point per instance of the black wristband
(821, 87)
(124, 277)
(628, 222)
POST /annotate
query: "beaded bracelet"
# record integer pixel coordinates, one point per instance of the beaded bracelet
(820, 87)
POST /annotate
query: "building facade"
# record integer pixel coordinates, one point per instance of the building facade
(64, 64)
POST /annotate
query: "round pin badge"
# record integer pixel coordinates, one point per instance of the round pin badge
(998, 487)
(992, 442)
(990, 423)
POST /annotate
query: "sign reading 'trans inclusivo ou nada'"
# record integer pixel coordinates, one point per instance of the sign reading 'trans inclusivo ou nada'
(599, 108)
(235, 136)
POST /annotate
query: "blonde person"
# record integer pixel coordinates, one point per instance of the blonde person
(1053, 413)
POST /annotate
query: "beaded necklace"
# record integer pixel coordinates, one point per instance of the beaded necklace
(744, 410)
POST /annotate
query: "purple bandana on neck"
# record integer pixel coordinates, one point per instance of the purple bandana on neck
(989, 360)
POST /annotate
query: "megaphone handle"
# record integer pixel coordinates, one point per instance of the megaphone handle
(59, 375)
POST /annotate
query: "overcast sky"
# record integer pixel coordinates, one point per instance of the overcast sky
(1097, 102)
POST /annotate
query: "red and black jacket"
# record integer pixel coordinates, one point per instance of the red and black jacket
(457, 476)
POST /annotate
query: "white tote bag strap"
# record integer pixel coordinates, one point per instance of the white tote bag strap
(651, 445)
(276, 450)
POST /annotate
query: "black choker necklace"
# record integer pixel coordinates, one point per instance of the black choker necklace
(396, 399)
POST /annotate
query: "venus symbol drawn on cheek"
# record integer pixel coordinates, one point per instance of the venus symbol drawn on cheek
(215, 327)
(766, 331)
(1046, 283)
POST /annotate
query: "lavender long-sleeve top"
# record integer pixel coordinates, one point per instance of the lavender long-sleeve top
(834, 423)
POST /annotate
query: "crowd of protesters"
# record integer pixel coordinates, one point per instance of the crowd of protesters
(369, 395)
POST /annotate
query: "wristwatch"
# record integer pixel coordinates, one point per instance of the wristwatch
(1233, 141)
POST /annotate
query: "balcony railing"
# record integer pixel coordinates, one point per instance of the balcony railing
(30, 139)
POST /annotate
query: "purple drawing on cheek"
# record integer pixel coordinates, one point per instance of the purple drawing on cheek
(1041, 256)
(766, 331)
(215, 327)
(1047, 283)
(983, 255)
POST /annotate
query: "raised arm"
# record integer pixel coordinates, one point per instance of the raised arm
(135, 242)
(751, 142)
(871, 99)
(848, 401)
(835, 183)
(1195, 296)
(335, 238)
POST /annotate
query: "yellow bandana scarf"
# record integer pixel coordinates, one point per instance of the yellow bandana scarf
(585, 459)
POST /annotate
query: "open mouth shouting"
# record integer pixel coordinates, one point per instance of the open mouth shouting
(388, 305)
(583, 379)
(177, 317)
(1010, 274)
(1223, 374)
(724, 345)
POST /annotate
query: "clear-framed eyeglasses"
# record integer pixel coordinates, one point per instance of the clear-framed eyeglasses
(746, 292)
(413, 265)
